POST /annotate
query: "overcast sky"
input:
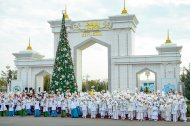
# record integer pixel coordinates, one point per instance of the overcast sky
(20, 19)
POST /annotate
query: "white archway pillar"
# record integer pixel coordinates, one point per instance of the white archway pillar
(79, 69)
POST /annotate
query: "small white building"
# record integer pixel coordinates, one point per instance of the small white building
(117, 33)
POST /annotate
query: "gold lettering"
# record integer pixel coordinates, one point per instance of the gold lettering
(96, 33)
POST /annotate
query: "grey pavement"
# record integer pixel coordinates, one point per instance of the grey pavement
(58, 121)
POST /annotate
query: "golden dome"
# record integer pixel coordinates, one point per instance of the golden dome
(124, 11)
(29, 46)
(168, 41)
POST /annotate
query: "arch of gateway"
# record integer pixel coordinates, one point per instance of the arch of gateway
(117, 33)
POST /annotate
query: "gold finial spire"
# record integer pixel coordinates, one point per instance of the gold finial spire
(65, 13)
(168, 41)
(29, 46)
(124, 11)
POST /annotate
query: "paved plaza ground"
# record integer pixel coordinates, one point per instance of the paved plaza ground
(58, 121)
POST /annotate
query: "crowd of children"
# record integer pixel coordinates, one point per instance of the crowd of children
(116, 105)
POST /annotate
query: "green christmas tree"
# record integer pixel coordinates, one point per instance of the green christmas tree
(63, 77)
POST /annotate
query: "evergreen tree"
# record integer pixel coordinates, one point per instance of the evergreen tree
(185, 78)
(63, 77)
(7, 76)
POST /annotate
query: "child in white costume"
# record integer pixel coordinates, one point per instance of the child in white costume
(74, 110)
(11, 108)
(122, 109)
(155, 112)
(69, 104)
(139, 110)
(130, 109)
(102, 108)
(23, 106)
(54, 106)
(175, 110)
(183, 111)
(84, 109)
(115, 110)
(126, 105)
(93, 110)
(110, 111)
(135, 107)
(66, 105)
(150, 110)
(3, 108)
(64, 108)
(145, 110)
(162, 111)
(37, 108)
(45, 107)
(168, 109)
(58, 105)
(18, 107)
(89, 104)
(28, 106)
(41, 104)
